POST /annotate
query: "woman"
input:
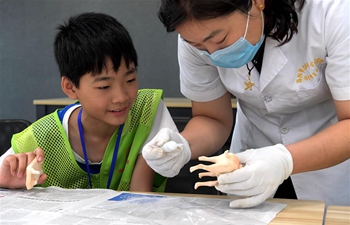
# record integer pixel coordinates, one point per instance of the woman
(287, 63)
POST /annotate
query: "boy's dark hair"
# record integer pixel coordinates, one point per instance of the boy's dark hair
(83, 44)
(281, 16)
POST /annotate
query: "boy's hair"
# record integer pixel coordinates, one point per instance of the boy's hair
(84, 43)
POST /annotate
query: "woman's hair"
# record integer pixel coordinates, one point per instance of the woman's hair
(84, 43)
(281, 19)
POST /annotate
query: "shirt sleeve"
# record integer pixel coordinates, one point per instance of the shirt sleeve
(8, 152)
(162, 119)
(337, 38)
(199, 77)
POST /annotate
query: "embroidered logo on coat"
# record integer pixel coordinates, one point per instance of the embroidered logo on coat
(304, 71)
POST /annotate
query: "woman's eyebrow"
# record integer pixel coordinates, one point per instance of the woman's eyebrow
(211, 35)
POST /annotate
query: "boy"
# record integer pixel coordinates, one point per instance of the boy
(95, 142)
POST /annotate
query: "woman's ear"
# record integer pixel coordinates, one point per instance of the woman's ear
(260, 4)
(68, 88)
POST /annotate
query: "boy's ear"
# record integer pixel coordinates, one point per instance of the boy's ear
(68, 88)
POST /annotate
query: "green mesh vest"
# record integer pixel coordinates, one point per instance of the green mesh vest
(62, 169)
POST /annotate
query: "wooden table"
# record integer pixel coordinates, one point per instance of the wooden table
(299, 212)
(170, 102)
(337, 215)
(178, 107)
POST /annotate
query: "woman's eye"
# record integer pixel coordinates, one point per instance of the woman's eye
(198, 46)
(222, 41)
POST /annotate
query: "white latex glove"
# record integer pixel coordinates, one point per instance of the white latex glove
(167, 152)
(265, 169)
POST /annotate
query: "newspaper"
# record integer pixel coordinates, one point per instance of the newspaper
(59, 206)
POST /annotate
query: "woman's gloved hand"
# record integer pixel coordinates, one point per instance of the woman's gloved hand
(264, 170)
(167, 152)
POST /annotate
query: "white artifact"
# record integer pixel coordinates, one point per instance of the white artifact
(224, 163)
(33, 172)
(170, 146)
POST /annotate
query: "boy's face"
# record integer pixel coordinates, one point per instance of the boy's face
(108, 97)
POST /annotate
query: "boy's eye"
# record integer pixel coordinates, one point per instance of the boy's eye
(103, 87)
(131, 80)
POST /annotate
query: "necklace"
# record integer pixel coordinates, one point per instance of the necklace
(257, 63)
(115, 153)
(249, 85)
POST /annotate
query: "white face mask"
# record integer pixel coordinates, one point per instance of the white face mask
(239, 53)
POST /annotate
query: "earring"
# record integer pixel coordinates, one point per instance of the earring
(260, 6)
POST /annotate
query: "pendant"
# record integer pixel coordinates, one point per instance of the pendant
(249, 85)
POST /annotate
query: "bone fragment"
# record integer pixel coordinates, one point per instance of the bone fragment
(224, 163)
(33, 172)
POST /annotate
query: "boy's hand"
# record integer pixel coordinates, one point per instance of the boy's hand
(13, 169)
(167, 152)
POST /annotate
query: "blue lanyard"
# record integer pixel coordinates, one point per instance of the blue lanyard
(115, 154)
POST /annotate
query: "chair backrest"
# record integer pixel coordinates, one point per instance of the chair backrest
(9, 127)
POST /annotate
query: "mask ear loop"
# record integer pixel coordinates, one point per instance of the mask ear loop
(262, 27)
(246, 26)
(263, 23)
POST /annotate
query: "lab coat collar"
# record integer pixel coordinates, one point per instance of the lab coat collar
(273, 62)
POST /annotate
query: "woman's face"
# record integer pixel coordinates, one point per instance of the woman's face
(218, 33)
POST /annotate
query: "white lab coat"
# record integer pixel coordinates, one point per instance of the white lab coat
(293, 96)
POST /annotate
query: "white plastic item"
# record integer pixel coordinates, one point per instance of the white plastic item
(33, 172)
